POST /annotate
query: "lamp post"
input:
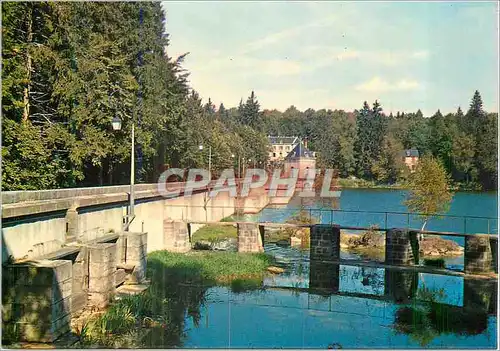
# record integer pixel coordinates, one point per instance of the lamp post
(116, 123)
(209, 159)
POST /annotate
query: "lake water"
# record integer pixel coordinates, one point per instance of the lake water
(386, 208)
(318, 305)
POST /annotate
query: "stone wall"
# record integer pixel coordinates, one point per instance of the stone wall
(82, 219)
(325, 242)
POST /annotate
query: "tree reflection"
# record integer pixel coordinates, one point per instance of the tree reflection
(425, 320)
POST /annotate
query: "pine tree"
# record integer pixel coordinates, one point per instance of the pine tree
(364, 136)
(251, 114)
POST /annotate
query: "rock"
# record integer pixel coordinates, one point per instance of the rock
(275, 270)
(437, 246)
(370, 238)
(202, 245)
(230, 244)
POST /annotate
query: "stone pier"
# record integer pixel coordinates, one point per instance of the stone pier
(478, 255)
(136, 256)
(36, 300)
(176, 236)
(250, 237)
(401, 247)
(80, 287)
(325, 242)
(102, 267)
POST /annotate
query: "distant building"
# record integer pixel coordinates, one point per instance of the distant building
(300, 158)
(410, 158)
(281, 146)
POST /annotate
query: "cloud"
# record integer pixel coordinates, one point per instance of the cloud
(253, 66)
(285, 34)
(321, 56)
(377, 84)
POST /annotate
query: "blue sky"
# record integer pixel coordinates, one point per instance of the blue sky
(409, 55)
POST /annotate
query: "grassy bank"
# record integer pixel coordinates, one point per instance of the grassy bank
(370, 184)
(362, 183)
(179, 284)
(215, 232)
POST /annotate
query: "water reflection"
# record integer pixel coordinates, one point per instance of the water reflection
(317, 305)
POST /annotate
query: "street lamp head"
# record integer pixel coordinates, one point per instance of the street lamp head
(116, 123)
(232, 155)
(200, 147)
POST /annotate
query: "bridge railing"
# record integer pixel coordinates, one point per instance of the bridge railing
(444, 224)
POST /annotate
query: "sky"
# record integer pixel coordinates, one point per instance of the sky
(335, 55)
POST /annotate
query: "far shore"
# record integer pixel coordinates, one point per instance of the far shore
(356, 183)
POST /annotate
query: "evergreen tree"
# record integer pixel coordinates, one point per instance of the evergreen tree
(251, 114)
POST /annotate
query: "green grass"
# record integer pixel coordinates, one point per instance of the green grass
(215, 232)
(210, 268)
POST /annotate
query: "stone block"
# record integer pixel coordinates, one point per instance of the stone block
(249, 238)
(325, 242)
(104, 252)
(120, 276)
(401, 247)
(79, 301)
(38, 312)
(478, 254)
(99, 300)
(176, 236)
(121, 244)
(137, 239)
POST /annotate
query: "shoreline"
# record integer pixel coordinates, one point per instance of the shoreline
(346, 183)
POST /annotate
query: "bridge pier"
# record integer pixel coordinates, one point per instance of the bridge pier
(36, 300)
(250, 237)
(401, 247)
(325, 242)
(478, 254)
(136, 255)
(102, 267)
(176, 236)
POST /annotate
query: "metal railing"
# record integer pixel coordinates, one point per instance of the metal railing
(444, 224)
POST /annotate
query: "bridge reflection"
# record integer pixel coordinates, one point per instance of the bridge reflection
(402, 286)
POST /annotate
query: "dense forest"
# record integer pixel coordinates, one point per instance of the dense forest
(69, 68)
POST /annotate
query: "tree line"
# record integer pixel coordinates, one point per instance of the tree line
(70, 68)
(368, 143)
